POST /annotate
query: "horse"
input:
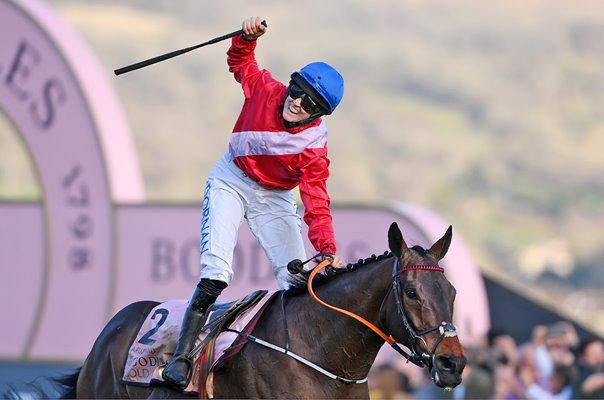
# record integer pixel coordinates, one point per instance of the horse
(402, 296)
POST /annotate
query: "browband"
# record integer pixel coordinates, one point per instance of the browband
(425, 267)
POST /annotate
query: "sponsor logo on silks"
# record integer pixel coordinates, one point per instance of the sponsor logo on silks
(205, 221)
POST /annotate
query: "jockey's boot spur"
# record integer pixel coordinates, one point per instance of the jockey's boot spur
(178, 371)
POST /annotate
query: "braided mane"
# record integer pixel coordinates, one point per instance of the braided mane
(332, 273)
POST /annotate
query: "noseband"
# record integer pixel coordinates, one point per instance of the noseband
(446, 329)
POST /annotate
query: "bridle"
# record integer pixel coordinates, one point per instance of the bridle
(423, 359)
(446, 329)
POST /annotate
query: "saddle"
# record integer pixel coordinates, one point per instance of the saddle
(157, 337)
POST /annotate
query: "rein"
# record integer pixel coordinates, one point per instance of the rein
(414, 358)
(445, 329)
(285, 350)
(378, 331)
(423, 360)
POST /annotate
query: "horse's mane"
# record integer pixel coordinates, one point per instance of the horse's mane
(332, 273)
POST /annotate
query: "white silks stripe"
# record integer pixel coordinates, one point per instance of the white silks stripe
(255, 143)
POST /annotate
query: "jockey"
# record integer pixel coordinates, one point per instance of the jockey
(279, 142)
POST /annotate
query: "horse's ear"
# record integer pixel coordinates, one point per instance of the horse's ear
(395, 240)
(440, 248)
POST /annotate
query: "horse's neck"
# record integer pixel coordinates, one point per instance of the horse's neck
(339, 339)
(361, 291)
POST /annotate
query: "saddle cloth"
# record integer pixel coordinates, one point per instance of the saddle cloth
(158, 335)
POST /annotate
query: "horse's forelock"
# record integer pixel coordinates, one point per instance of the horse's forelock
(419, 249)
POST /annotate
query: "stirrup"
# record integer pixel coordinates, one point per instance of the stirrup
(169, 382)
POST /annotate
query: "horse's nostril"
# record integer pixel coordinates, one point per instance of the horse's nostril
(446, 363)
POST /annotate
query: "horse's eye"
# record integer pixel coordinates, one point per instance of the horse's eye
(411, 293)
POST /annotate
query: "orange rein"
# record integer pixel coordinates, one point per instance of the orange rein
(388, 339)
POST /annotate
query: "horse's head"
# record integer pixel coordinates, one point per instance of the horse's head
(419, 313)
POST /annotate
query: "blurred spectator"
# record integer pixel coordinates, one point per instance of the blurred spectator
(501, 350)
(544, 361)
(422, 386)
(507, 383)
(502, 362)
(560, 340)
(552, 365)
(559, 387)
(386, 382)
(589, 383)
(477, 383)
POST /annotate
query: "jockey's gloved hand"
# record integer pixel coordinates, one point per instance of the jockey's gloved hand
(335, 260)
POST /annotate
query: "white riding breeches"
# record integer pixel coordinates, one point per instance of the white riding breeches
(229, 197)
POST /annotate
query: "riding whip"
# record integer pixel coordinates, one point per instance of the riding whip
(175, 53)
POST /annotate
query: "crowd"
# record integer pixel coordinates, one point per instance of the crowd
(553, 364)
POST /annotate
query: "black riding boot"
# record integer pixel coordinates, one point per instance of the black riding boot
(178, 371)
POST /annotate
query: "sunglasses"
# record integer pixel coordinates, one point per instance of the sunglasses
(308, 104)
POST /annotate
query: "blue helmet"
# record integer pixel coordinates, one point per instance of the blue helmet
(322, 83)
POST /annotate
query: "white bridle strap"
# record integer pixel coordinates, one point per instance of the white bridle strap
(298, 358)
